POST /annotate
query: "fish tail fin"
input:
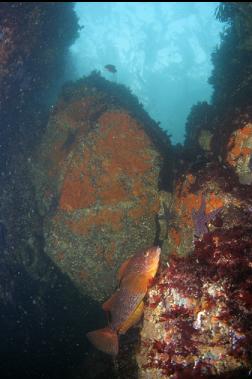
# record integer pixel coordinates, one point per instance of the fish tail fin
(105, 340)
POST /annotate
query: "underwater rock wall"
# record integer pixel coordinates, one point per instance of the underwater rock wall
(33, 53)
(34, 40)
(197, 319)
(34, 43)
(231, 76)
(97, 181)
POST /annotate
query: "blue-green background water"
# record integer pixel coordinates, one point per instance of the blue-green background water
(162, 51)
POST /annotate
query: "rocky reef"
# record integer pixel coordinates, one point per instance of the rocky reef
(89, 178)
(197, 321)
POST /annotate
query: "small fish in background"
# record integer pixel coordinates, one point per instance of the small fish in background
(125, 307)
(111, 68)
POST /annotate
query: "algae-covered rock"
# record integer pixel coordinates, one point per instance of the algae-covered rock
(97, 176)
(197, 316)
(194, 207)
(197, 321)
(239, 153)
(205, 139)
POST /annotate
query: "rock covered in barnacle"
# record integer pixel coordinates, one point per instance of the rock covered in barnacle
(197, 320)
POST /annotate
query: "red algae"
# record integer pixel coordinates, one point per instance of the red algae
(198, 314)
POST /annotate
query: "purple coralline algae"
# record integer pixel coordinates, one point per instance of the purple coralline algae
(201, 219)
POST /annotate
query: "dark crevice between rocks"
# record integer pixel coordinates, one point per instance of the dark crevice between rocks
(158, 241)
(43, 331)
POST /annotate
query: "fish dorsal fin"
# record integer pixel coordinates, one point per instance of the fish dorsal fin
(109, 303)
(122, 269)
(133, 319)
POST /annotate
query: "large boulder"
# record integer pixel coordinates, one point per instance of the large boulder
(97, 177)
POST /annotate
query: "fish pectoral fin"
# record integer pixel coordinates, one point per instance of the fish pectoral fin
(122, 269)
(109, 303)
(105, 340)
(137, 284)
(133, 319)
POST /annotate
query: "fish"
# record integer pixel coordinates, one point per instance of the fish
(111, 68)
(125, 307)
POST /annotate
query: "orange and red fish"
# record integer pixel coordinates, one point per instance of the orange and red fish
(125, 306)
(111, 68)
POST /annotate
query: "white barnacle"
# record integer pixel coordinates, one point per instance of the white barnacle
(198, 322)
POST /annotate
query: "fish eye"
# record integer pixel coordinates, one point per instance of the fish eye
(146, 254)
